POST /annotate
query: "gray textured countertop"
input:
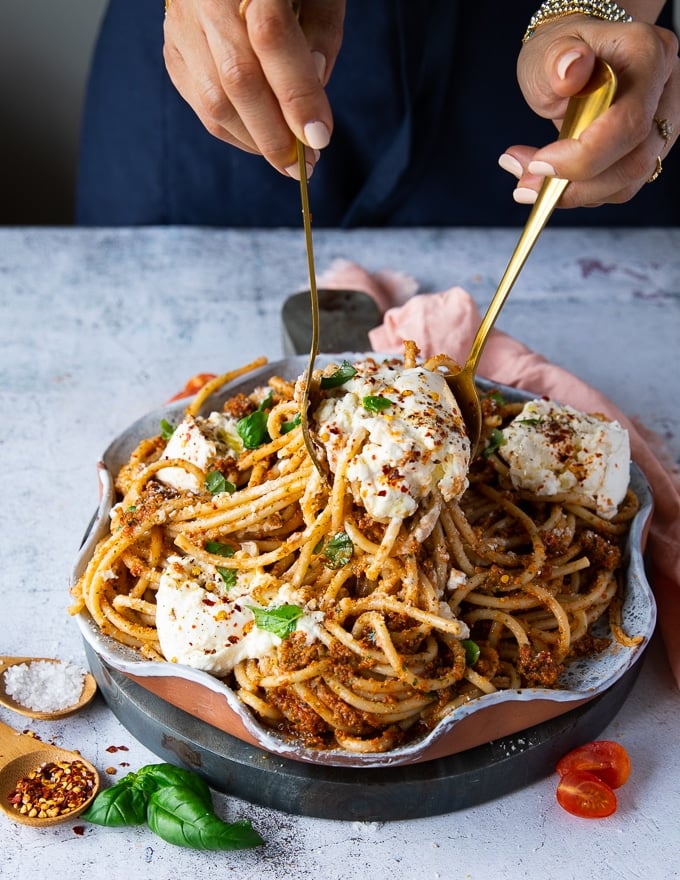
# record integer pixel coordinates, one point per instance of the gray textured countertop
(99, 326)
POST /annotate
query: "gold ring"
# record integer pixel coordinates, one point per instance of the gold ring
(665, 128)
(657, 170)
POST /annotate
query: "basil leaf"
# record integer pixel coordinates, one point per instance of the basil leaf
(287, 427)
(167, 430)
(215, 482)
(228, 575)
(219, 549)
(281, 620)
(338, 550)
(344, 372)
(496, 440)
(267, 403)
(472, 651)
(252, 429)
(122, 804)
(375, 403)
(152, 777)
(178, 816)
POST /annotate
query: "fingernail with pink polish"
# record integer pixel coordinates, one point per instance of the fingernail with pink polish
(320, 63)
(566, 61)
(542, 169)
(511, 165)
(524, 196)
(294, 170)
(317, 135)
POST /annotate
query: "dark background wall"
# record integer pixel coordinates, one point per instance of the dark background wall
(45, 49)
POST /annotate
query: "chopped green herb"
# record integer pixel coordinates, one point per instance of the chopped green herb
(318, 547)
(252, 429)
(219, 549)
(338, 550)
(533, 423)
(375, 403)
(497, 396)
(344, 372)
(287, 427)
(267, 403)
(132, 508)
(496, 440)
(167, 430)
(281, 620)
(228, 575)
(215, 482)
(471, 651)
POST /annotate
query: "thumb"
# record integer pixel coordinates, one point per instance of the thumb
(549, 77)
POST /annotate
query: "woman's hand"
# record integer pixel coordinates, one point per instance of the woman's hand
(255, 78)
(619, 153)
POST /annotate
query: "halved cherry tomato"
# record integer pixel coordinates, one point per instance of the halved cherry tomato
(586, 795)
(604, 758)
(193, 386)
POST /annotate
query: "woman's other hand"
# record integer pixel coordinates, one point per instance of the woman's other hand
(254, 73)
(620, 152)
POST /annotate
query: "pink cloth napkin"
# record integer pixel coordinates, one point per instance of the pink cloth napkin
(447, 322)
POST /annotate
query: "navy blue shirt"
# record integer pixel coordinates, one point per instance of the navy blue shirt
(424, 97)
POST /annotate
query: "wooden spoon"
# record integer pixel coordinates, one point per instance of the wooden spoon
(87, 693)
(20, 755)
(582, 110)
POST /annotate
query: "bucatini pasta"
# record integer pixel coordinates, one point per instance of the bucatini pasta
(354, 612)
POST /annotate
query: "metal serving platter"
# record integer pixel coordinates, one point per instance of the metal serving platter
(354, 794)
(486, 719)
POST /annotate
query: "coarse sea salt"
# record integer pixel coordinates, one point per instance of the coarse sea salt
(44, 685)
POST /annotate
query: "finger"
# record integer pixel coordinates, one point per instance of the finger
(322, 23)
(618, 183)
(626, 124)
(194, 75)
(291, 72)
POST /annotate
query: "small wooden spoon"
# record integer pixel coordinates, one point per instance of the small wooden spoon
(21, 755)
(87, 693)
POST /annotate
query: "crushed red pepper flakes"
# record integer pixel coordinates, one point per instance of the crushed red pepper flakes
(55, 788)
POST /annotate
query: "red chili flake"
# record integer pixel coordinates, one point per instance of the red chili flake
(53, 789)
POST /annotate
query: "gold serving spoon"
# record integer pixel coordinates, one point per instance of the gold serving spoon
(21, 755)
(582, 109)
(314, 300)
(87, 693)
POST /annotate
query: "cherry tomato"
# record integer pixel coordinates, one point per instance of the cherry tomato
(193, 386)
(607, 760)
(585, 795)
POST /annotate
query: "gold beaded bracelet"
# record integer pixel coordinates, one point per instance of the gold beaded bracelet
(551, 9)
